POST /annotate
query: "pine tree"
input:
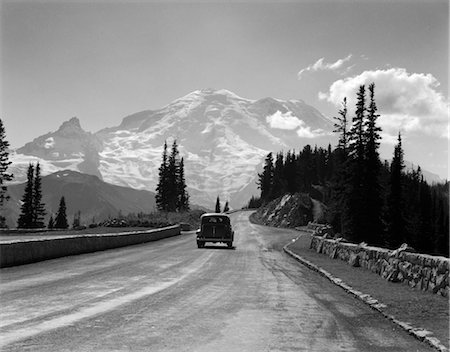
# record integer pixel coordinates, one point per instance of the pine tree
(171, 191)
(26, 216)
(38, 205)
(395, 216)
(183, 196)
(290, 172)
(4, 164)
(162, 187)
(371, 171)
(61, 217)
(51, 223)
(226, 207)
(355, 210)
(341, 126)
(218, 205)
(279, 183)
(265, 179)
(173, 174)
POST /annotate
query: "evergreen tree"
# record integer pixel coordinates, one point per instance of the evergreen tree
(4, 164)
(371, 171)
(355, 210)
(162, 189)
(61, 217)
(173, 175)
(183, 196)
(305, 170)
(171, 191)
(26, 217)
(341, 126)
(425, 231)
(51, 223)
(290, 172)
(441, 220)
(218, 205)
(38, 205)
(395, 216)
(254, 202)
(265, 179)
(279, 182)
(226, 208)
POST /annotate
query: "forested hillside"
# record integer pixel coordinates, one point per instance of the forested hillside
(368, 200)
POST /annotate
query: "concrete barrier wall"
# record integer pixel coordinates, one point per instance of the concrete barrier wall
(25, 252)
(421, 271)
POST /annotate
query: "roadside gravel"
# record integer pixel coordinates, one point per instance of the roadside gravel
(424, 315)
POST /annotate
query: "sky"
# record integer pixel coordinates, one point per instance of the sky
(101, 61)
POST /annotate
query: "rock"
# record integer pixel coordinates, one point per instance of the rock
(319, 247)
(354, 260)
(334, 252)
(441, 282)
(443, 266)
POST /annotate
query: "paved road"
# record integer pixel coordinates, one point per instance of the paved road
(171, 296)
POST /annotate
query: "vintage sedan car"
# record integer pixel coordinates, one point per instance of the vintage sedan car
(215, 228)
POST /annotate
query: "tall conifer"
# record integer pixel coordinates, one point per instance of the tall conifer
(4, 164)
(371, 171)
(355, 210)
(173, 173)
(183, 196)
(395, 215)
(279, 183)
(265, 179)
(171, 191)
(340, 126)
(61, 217)
(162, 187)
(38, 205)
(26, 216)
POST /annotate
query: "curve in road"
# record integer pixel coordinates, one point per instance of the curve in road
(171, 296)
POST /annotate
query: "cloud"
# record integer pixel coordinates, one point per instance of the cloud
(406, 101)
(320, 65)
(306, 132)
(287, 121)
(284, 121)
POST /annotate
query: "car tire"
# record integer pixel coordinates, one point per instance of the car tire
(230, 244)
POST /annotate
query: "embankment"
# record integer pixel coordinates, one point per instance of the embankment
(30, 251)
(420, 271)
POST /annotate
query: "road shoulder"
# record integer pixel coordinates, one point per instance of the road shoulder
(422, 314)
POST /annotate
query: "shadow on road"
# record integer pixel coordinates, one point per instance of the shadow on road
(219, 247)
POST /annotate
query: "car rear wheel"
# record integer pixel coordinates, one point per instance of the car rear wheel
(200, 244)
(230, 244)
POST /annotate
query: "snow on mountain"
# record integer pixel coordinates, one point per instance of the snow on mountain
(223, 138)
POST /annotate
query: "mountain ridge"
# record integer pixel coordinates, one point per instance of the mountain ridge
(222, 137)
(97, 200)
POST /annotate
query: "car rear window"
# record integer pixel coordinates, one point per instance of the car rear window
(215, 220)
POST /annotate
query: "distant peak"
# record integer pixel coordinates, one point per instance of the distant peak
(208, 91)
(213, 92)
(71, 125)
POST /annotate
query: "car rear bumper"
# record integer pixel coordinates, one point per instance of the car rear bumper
(214, 239)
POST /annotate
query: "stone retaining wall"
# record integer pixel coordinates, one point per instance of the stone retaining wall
(29, 251)
(421, 271)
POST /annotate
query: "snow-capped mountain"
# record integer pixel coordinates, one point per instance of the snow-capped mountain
(222, 137)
